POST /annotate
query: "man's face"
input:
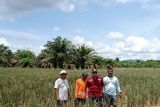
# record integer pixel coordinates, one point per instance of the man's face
(110, 72)
(84, 77)
(94, 73)
(63, 76)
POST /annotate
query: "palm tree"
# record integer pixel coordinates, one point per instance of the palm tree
(25, 58)
(98, 61)
(110, 63)
(81, 56)
(43, 60)
(5, 55)
(57, 50)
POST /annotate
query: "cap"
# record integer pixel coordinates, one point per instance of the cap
(84, 73)
(94, 70)
(63, 72)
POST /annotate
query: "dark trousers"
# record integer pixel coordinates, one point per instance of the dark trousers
(98, 100)
(79, 102)
(61, 103)
(111, 100)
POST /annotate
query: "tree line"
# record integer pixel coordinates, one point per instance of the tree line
(62, 53)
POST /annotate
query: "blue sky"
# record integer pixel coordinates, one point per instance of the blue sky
(128, 29)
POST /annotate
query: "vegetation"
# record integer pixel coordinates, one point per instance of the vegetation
(5, 55)
(61, 53)
(24, 87)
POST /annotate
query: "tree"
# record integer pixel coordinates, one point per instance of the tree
(110, 63)
(81, 56)
(5, 55)
(57, 50)
(25, 58)
(117, 59)
(98, 61)
(43, 60)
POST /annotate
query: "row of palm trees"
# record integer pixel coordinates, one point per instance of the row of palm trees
(57, 53)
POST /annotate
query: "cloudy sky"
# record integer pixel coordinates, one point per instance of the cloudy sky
(128, 29)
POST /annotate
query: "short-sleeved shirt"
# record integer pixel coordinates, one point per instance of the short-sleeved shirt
(95, 86)
(111, 85)
(62, 86)
(80, 91)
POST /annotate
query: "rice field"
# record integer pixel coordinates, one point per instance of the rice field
(34, 87)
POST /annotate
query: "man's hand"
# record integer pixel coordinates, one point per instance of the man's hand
(103, 94)
(120, 94)
(69, 96)
(58, 98)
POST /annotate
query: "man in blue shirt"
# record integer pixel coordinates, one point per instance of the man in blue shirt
(111, 88)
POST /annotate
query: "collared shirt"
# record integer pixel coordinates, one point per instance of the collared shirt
(62, 86)
(95, 86)
(80, 91)
(111, 85)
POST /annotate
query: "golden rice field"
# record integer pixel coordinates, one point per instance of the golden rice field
(33, 87)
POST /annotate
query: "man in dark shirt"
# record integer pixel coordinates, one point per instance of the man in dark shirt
(95, 87)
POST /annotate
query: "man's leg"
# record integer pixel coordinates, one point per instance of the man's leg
(62, 104)
(58, 103)
(114, 101)
(76, 102)
(82, 101)
(99, 101)
(106, 100)
(91, 101)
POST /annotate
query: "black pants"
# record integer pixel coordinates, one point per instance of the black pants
(99, 101)
(79, 102)
(61, 103)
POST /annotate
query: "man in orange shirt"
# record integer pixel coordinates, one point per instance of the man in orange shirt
(80, 91)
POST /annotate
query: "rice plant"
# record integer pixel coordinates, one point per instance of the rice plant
(34, 87)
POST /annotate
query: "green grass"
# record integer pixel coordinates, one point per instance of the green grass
(33, 87)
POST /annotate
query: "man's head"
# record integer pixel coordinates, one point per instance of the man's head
(84, 75)
(63, 74)
(94, 72)
(110, 72)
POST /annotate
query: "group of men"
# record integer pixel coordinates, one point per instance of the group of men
(101, 92)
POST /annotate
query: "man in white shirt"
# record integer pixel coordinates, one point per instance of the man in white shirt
(111, 88)
(62, 89)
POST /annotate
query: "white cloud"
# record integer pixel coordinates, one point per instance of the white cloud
(110, 2)
(36, 50)
(4, 41)
(41, 47)
(150, 4)
(19, 35)
(78, 40)
(15, 47)
(136, 43)
(56, 29)
(115, 36)
(11, 8)
(130, 47)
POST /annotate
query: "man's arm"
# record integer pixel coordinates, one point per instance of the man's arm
(56, 93)
(103, 90)
(103, 84)
(56, 90)
(69, 94)
(118, 87)
(76, 89)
